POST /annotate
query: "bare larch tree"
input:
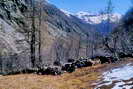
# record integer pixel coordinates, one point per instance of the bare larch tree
(33, 36)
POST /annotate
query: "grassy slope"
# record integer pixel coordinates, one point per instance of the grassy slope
(80, 79)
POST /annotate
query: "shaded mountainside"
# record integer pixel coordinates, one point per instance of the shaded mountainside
(121, 38)
(62, 37)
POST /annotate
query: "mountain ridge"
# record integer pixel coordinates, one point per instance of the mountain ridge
(97, 21)
(93, 18)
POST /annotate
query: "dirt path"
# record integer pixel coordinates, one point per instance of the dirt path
(84, 78)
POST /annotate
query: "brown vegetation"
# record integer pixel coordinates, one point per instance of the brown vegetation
(82, 78)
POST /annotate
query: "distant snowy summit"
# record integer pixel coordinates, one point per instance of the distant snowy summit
(94, 18)
(97, 18)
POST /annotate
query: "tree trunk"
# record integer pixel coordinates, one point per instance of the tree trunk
(33, 57)
(39, 48)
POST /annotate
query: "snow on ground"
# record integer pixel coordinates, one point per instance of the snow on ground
(123, 73)
(119, 74)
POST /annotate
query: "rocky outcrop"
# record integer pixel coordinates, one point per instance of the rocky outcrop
(12, 40)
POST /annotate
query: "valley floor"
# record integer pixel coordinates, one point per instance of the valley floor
(84, 78)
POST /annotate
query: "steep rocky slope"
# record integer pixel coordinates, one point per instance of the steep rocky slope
(12, 22)
(121, 37)
(62, 37)
(12, 39)
(67, 35)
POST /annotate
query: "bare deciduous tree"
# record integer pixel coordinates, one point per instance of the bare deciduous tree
(39, 31)
(33, 36)
(87, 45)
(113, 48)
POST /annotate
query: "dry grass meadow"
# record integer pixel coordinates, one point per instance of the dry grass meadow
(80, 79)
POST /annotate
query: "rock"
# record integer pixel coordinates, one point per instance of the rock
(129, 55)
(112, 59)
(95, 61)
(79, 64)
(41, 71)
(88, 63)
(123, 55)
(71, 60)
(103, 59)
(83, 63)
(57, 63)
(52, 71)
(69, 68)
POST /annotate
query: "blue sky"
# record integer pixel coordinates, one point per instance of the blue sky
(94, 6)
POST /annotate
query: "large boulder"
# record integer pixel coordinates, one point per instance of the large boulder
(57, 63)
(123, 55)
(69, 68)
(52, 71)
(104, 59)
(95, 61)
(83, 63)
(79, 64)
(71, 60)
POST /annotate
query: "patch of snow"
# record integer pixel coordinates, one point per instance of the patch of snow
(82, 13)
(119, 74)
(119, 86)
(66, 13)
(123, 73)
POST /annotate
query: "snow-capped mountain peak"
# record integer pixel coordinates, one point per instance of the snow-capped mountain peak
(92, 18)
(82, 13)
(97, 18)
